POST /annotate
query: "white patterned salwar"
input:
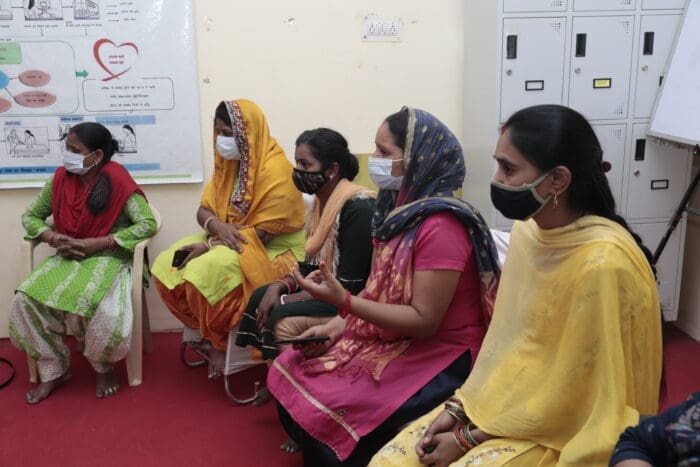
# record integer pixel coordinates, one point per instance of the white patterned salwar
(39, 330)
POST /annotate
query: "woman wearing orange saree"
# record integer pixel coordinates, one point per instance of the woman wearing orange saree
(253, 218)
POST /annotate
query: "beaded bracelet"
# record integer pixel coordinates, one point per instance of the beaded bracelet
(111, 242)
(343, 312)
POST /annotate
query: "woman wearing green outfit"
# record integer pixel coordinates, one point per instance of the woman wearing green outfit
(99, 215)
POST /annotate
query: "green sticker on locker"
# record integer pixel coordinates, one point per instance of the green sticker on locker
(10, 53)
(602, 83)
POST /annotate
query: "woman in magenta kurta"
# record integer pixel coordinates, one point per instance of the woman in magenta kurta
(408, 340)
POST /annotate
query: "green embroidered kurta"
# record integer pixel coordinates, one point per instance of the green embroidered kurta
(77, 286)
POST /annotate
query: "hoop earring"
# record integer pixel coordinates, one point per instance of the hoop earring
(555, 201)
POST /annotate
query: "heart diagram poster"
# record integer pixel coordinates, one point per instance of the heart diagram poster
(129, 65)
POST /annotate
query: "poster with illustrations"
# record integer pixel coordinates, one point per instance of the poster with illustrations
(129, 65)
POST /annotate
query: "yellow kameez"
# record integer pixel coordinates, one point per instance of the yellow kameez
(572, 357)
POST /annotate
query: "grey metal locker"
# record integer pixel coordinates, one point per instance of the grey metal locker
(533, 6)
(612, 140)
(532, 63)
(604, 5)
(657, 35)
(601, 57)
(658, 175)
(663, 4)
(668, 268)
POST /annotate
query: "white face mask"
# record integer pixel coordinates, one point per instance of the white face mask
(227, 148)
(380, 173)
(74, 163)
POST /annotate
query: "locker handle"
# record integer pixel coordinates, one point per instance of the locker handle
(640, 149)
(581, 45)
(511, 47)
(648, 43)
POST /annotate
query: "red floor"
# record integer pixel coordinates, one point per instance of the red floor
(178, 417)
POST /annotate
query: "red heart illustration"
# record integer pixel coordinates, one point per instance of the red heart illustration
(113, 60)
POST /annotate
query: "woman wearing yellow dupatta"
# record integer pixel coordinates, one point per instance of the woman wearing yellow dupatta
(253, 217)
(573, 353)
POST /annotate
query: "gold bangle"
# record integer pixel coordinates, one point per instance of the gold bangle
(206, 223)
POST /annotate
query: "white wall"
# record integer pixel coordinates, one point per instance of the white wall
(306, 66)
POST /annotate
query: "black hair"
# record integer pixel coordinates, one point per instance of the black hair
(222, 114)
(552, 135)
(96, 136)
(398, 127)
(128, 127)
(29, 132)
(329, 146)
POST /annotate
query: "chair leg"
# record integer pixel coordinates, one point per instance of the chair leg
(134, 359)
(33, 373)
(146, 322)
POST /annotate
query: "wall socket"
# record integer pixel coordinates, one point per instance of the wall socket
(381, 29)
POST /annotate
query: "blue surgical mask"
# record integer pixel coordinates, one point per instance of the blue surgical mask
(74, 163)
(227, 148)
(380, 173)
(519, 202)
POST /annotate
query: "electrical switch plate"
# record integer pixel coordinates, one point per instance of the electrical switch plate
(381, 29)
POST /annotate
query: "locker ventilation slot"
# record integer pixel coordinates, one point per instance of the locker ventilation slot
(620, 109)
(626, 26)
(556, 25)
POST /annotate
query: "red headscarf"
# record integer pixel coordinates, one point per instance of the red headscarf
(69, 201)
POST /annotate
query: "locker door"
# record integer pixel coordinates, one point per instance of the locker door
(532, 70)
(612, 141)
(603, 5)
(656, 40)
(663, 4)
(669, 266)
(658, 176)
(600, 66)
(530, 6)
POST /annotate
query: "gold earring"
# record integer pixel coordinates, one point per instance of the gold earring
(556, 200)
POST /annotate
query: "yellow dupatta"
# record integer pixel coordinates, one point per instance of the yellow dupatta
(256, 191)
(321, 227)
(573, 354)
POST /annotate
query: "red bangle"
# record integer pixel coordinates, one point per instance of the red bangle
(343, 312)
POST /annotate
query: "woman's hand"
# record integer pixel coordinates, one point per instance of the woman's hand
(195, 249)
(443, 423)
(333, 329)
(68, 247)
(270, 300)
(229, 234)
(445, 453)
(322, 285)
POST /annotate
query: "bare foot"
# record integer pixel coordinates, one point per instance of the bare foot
(45, 388)
(217, 361)
(107, 384)
(289, 446)
(262, 397)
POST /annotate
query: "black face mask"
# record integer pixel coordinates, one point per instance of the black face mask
(519, 203)
(308, 182)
